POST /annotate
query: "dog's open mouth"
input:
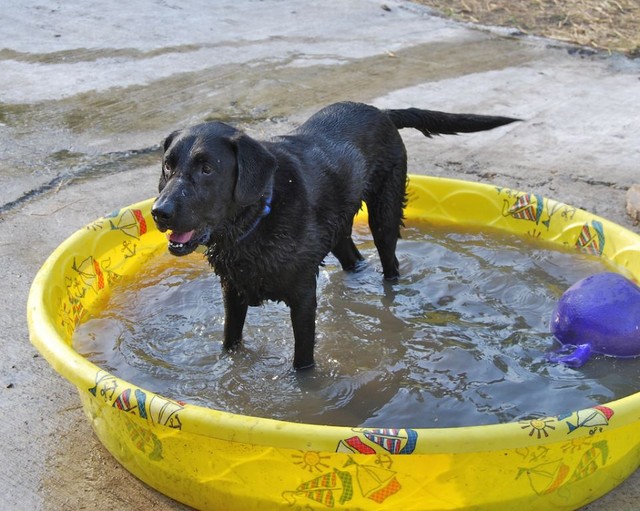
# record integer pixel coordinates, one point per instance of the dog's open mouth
(183, 243)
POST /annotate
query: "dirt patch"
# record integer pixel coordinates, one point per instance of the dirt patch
(610, 25)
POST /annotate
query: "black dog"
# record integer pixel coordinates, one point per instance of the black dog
(269, 212)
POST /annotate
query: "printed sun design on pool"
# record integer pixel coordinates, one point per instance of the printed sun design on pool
(539, 427)
(311, 461)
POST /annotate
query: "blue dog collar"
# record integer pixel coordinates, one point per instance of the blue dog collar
(265, 211)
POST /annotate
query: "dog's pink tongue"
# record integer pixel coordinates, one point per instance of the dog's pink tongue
(181, 237)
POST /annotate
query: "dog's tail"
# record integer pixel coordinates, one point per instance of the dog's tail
(431, 122)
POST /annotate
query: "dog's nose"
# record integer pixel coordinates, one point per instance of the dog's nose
(163, 210)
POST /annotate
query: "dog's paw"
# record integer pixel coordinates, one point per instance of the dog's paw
(393, 279)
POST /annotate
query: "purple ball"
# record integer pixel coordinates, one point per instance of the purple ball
(601, 312)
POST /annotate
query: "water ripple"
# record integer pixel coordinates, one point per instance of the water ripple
(460, 340)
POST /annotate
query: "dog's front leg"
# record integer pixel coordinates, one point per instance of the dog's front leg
(235, 313)
(303, 318)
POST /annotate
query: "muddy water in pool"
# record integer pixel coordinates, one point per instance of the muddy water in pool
(460, 340)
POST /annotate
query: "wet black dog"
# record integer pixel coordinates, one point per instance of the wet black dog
(270, 211)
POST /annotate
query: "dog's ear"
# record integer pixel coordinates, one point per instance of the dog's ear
(256, 166)
(169, 139)
(165, 146)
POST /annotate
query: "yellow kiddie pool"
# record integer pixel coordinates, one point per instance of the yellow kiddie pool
(211, 459)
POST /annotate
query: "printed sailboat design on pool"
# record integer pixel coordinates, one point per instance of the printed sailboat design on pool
(327, 489)
(394, 441)
(374, 482)
(591, 238)
(526, 207)
(131, 222)
(591, 417)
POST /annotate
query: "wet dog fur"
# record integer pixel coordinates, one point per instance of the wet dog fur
(270, 211)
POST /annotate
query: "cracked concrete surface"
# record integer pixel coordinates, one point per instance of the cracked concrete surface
(88, 89)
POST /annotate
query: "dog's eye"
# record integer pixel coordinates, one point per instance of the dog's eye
(166, 170)
(206, 168)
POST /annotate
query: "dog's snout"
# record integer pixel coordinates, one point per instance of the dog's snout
(163, 210)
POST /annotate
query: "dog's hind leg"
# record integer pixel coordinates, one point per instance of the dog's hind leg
(385, 236)
(385, 219)
(347, 253)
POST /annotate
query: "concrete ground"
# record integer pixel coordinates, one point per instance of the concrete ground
(88, 89)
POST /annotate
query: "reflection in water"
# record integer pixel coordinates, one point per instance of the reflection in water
(460, 340)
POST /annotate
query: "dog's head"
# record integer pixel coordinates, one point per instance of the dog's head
(209, 172)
